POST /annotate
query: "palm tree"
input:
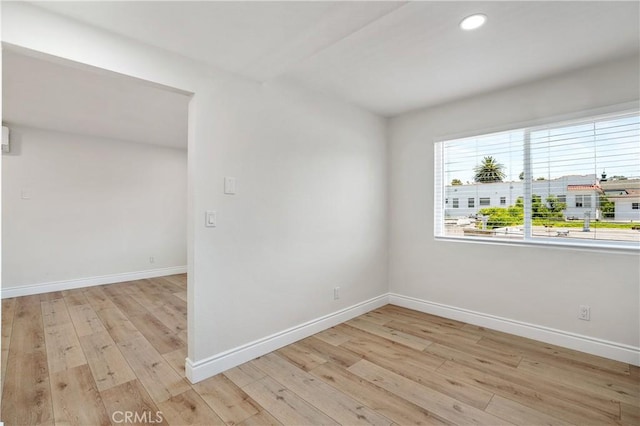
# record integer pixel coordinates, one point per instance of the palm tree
(489, 171)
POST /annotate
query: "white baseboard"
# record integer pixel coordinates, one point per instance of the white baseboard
(591, 345)
(198, 371)
(89, 281)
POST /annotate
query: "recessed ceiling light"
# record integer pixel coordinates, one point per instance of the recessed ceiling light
(472, 22)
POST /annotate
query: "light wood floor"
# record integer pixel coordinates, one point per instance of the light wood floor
(89, 356)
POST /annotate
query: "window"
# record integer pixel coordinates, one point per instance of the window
(455, 203)
(553, 175)
(583, 201)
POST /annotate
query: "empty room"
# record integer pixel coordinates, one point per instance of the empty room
(310, 213)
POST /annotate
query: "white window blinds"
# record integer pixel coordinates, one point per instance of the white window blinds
(570, 182)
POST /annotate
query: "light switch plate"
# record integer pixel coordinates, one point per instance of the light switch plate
(229, 185)
(210, 219)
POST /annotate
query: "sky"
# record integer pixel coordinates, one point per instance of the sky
(611, 145)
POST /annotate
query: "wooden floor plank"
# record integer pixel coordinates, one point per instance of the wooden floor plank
(301, 357)
(76, 399)
(98, 298)
(490, 355)
(514, 412)
(176, 360)
(607, 387)
(337, 405)
(167, 285)
(392, 355)
(182, 295)
(409, 340)
(26, 397)
(23, 320)
(284, 405)
(431, 400)
(155, 374)
(546, 353)
(263, 418)
(180, 280)
(409, 314)
(559, 353)
(127, 304)
(228, 401)
(118, 325)
(171, 313)
(454, 354)
(108, 366)
(586, 397)
(376, 318)
(382, 401)
(244, 374)
(49, 297)
(172, 319)
(26, 394)
(188, 408)
(131, 397)
(55, 313)
(434, 332)
(146, 293)
(332, 336)
(336, 354)
(75, 297)
(571, 407)
(358, 334)
(415, 368)
(161, 337)
(63, 348)
(8, 312)
(85, 320)
(630, 414)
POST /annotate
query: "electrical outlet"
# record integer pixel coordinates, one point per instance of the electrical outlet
(584, 313)
(336, 293)
(152, 259)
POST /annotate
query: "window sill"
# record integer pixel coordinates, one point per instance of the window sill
(631, 248)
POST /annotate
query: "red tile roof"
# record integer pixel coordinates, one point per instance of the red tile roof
(582, 187)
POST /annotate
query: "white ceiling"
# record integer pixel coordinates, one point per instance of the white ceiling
(387, 57)
(70, 98)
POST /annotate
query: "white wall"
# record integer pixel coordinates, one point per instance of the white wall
(78, 207)
(311, 209)
(310, 213)
(540, 286)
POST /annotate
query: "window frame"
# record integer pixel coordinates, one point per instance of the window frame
(632, 107)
